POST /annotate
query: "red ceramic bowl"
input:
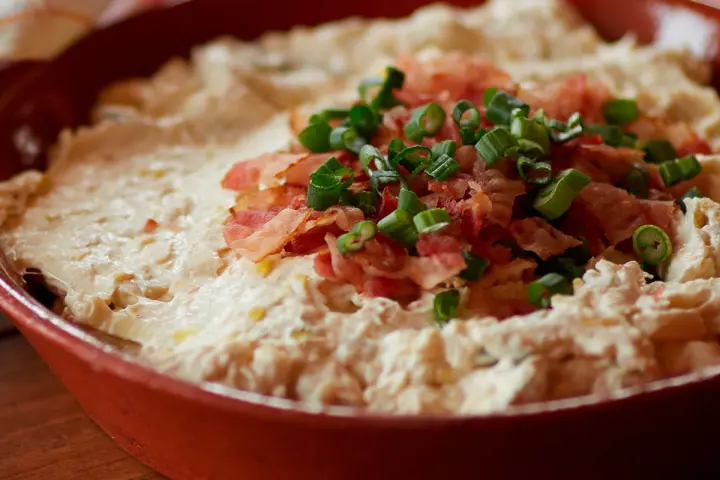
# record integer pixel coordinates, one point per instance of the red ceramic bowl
(189, 432)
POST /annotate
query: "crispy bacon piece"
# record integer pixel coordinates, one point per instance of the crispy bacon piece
(150, 226)
(434, 244)
(245, 174)
(454, 187)
(259, 240)
(298, 173)
(619, 214)
(429, 272)
(255, 199)
(538, 236)
(334, 220)
(500, 191)
(575, 94)
(388, 203)
(401, 290)
(604, 163)
(475, 211)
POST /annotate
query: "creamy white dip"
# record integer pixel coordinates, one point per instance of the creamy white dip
(161, 146)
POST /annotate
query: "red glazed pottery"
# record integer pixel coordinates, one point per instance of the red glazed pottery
(189, 432)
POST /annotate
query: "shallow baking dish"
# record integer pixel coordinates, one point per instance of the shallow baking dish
(210, 432)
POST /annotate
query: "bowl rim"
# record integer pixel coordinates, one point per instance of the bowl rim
(28, 314)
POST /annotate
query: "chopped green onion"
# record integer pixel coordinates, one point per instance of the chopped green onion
(652, 244)
(432, 220)
(534, 173)
(395, 146)
(636, 180)
(467, 136)
(356, 239)
(316, 137)
(611, 134)
(346, 138)
(563, 132)
(364, 120)
(445, 306)
(620, 111)
(332, 114)
(476, 266)
(499, 110)
(325, 190)
(446, 147)
(541, 290)
(488, 95)
(493, 145)
(346, 198)
(400, 227)
(530, 130)
(442, 168)
(368, 154)
(670, 173)
(553, 200)
(408, 200)
(425, 122)
(689, 167)
(564, 265)
(382, 177)
(473, 118)
(394, 79)
(693, 192)
(330, 166)
(366, 201)
(629, 140)
(411, 159)
(659, 151)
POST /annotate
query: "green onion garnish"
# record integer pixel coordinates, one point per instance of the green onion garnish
(467, 136)
(534, 173)
(329, 114)
(689, 167)
(652, 244)
(408, 200)
(356, 239)
(364, 120)
(629, 140)
(553, 200)
(411, 159)
(692, 192)
(425, 122)
(500, 108)
(346, 138)
(446, 147)
(442, 168)
(620, 111)
(531, 131)
(563, 132)
(611, 134)
(432, 220)
(636, 180)
(471, 120)
(325, 190)
(400, 227)
(670, 173)
(488, 95)
(395, 146)
(476, 266)
(445, 306)
(316, 137)
(394, 79)
(366, 201)
(493, 145)
(659, 151)
(541, 290)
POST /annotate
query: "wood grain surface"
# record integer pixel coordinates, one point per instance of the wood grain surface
(43, 432)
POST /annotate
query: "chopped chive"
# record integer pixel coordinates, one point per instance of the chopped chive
(411, 159)
(541, 290)
(530, 130)
(652, 244)
(467, 136)
(346, 138)
(476, 266)
(442, 168)
(425, 122)
(611, 134)
(431, 220)
(399, 226)
(408, 200)
(446, 147)
(325, 190)
(670, 173)
(659, 151)
(488, 95)
(493, 145)
(553, 200)
(692, 192)
(364, 120)
(636, 180)
(385, 98)
(629, 141)
(395, 146)
(366, 201)
(500, 109)
(356, 239)
(620, 111)
(532, 172)
(316, 137)
(445, 306)
(472, 120)
(689, 167)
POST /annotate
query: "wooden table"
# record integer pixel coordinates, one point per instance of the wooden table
(43, 432)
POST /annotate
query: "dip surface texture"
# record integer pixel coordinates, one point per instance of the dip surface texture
(126, 227)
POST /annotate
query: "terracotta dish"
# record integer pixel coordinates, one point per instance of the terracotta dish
(189, 432)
